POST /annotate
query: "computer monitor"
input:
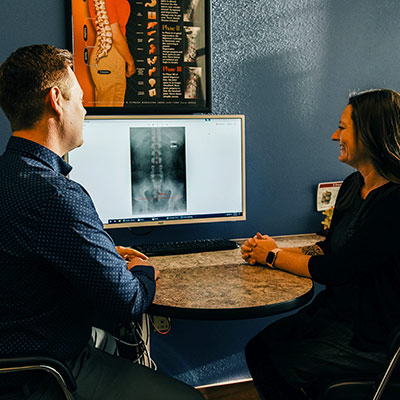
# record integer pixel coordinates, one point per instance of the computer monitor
(156, 170)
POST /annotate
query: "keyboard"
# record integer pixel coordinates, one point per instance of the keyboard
(185, 247)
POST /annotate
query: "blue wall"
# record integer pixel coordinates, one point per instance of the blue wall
(288, 65)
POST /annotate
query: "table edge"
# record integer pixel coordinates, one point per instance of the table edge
(231, 313)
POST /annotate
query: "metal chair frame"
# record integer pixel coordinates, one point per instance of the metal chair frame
(379, 385)
(57, 369)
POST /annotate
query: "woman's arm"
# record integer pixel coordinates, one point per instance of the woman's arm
(294, 262)
(121, 44)
(291, 259)
(313, 250)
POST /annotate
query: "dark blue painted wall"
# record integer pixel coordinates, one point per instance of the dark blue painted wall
(288, 65)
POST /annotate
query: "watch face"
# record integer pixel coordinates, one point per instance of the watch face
(270, 258)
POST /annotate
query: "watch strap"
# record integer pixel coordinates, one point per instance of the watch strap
(271, 257)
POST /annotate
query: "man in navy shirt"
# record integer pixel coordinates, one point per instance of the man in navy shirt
(60, 271)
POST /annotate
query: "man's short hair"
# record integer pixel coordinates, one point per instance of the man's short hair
(26, 78)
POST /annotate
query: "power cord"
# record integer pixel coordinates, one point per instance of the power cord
(134, 342)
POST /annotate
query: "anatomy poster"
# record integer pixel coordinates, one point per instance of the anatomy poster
(158, 172)
(142, 55)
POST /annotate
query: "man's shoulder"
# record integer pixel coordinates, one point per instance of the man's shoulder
(34, 180)
(43, 181)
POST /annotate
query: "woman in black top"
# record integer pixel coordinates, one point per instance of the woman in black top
(346, 329)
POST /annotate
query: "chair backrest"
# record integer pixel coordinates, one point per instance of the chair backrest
(367, 388)
(56, 368)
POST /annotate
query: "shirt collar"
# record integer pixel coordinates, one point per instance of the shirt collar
(40, 152)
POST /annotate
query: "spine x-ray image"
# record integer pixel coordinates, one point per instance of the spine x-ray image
(158, 170)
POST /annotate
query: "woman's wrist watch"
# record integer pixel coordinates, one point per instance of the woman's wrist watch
(271, 257)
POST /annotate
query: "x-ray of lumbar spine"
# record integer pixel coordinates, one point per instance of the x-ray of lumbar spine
(158, 176)
(157, 196)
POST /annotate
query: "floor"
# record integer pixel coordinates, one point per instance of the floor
(235, 391)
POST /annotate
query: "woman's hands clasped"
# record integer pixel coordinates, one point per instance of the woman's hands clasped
(255, 250)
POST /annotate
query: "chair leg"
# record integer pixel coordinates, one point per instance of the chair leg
(387, 375)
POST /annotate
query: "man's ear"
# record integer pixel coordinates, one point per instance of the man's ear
(56, 99)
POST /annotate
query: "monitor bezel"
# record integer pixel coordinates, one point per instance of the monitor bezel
(136, 224)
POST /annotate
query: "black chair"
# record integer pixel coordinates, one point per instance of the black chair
(57, 369)
(367, 388)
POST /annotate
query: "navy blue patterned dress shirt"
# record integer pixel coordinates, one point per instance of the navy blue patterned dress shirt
(59, 271)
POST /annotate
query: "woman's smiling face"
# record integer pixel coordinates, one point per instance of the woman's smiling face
(351, 152)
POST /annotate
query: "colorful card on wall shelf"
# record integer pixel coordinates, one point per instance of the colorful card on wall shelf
(142, 56)
(326, 194)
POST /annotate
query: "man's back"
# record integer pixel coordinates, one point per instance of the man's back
(58, 266)
(33, 293)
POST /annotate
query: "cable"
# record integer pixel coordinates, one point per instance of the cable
(136, 336)
(144, 333)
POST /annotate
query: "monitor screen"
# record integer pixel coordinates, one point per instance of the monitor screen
(155, 170)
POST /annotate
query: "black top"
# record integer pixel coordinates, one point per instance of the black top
(361, 265)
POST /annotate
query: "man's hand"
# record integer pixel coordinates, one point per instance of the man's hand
(134, 257)
(140, 261)
(127, 253)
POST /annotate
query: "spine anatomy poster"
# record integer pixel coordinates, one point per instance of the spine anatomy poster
(143, 54)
